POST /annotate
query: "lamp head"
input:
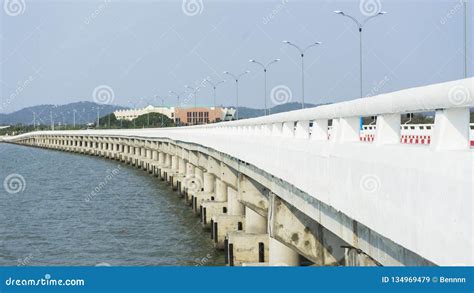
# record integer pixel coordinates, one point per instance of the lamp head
(339, 12)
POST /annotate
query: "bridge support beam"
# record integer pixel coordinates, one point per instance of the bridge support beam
(235, 206)
(304, 235)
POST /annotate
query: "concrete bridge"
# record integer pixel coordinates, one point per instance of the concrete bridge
(311, 187)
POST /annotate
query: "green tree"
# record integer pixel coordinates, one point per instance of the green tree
(153, 120)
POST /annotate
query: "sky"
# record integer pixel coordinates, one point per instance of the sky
(132, 53)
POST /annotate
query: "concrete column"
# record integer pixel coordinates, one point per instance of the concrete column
(167, 160)
(220, 190)
(174, 163)
(209, 182)
(181, 166)
(235, 207)
(199, 176)
(281, 255)
(190, 170)
(161, 159)
(254, 223)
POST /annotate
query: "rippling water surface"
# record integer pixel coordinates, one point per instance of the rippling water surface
(59, 208)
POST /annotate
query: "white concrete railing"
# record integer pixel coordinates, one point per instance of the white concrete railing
(419, 197)
(313, 123)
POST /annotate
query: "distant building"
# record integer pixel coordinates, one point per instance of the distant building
(181, 116)
(131, 114)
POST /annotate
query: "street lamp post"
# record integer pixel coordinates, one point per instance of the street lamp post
(360, 26)
(177, 105)
(265, 79)
(74, 118)
(177, 96)
(51, 118)
(214, 87)
(98, 115)
(194, 90)
(465, 38)
(162, 109)
(302, 52)
(237, 77)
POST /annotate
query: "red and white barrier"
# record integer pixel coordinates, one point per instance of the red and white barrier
(410, 134)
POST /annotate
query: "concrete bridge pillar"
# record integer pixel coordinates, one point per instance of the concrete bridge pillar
(209, 182)
(189, 182)
(206, 192)
(181, 166)
(195, 186)
(235, 206)
(148, 154)
(281, 255)
(216, 205)
(167, 160)
(161, 159)
(174, 163)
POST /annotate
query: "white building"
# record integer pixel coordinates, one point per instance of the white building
(131, 114)
(228, 114)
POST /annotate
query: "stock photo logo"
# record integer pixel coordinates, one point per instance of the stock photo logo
(459, 95)
(103, 94)
(14, 183)
(192, 7)
(370, 183)
(370, 7)
(14, 7)
(193, 183)
(281, 94)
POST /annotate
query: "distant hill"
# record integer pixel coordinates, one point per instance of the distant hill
(62, 114)
(245, 112)
(86, 112)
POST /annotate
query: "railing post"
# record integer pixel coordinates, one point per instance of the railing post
(388, 129)
(320, 130)
(346, 129)
(267, 129)
(302, 129)
(451, 129)
(288, 129)
(276, 129)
